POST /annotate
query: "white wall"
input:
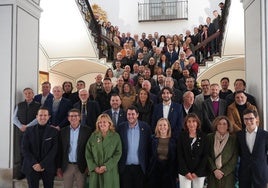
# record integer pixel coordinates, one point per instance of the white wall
(234, 32)
(43, 60)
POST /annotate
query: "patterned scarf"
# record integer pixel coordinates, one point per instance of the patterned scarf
(219, 144)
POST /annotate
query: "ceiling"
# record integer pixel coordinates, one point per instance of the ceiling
(64, 37)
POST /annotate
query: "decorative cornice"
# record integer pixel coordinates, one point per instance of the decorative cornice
(31, 6)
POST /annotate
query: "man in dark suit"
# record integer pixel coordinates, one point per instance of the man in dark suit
(136, 145)
(188, 105)
(170, 110)
(104, 96)
(74, 97)
(90, 110)
(211, 30)
(212, 107)
(253, 148)
(58, 107)
(39, 149)
(71, 157)
(45, 95)
(116, 113)
(171, 55)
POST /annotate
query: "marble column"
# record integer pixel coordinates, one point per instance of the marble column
(256, 50)
(19, 36)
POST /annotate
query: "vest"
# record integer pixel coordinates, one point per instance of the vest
(26, 113)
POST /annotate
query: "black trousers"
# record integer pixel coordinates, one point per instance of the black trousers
(161, 176)
(132, 177)
(18, 158)
(34, 177)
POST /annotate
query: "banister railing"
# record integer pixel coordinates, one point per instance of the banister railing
(220, 33)
(101, 39)
(96, 31)
(207, 40)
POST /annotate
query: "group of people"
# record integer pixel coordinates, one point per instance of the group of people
(149, 44)
(174, 138)
(147, 123)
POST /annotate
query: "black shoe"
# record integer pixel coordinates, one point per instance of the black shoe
(19, 177)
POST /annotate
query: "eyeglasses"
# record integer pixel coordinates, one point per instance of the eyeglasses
(248, 119)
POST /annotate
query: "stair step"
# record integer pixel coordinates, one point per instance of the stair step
(58, 183)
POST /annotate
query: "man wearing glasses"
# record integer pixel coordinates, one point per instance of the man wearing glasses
(253, 148)
(71, 157)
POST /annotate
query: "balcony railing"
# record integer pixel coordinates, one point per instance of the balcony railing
(173, 10)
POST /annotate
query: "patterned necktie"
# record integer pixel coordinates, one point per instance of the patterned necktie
(84, 114)
(114, 118)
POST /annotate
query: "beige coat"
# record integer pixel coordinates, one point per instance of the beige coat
(234, 117)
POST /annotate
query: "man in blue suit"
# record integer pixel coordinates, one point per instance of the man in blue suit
(136, 145)
(58, 107)
(45, 95)
(171, 55)
(116, 113)
(253, 151)
(39, 149)
(170, 110)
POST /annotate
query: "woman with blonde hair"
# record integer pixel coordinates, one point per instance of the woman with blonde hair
(192, 153)
(103, 151)
(222, 154)
(176, 70)
(163, 163)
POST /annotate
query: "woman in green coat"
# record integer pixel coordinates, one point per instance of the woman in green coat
(103, 151)
(223, 155)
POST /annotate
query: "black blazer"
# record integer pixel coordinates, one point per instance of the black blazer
(121, 118)
(175, 117)
(171, 161)
(145, 112)
(167, 65)
(31, 149)
(253, 165)
(192, 160)
(60, 118)
(194, 109)
(93, 111)
(208, 114)
(172, 57)
(64, 146)
(144, 145)
(38, 97)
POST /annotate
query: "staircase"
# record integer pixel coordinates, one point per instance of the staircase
(101, 39)
(58, 183)
(94, 27)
